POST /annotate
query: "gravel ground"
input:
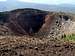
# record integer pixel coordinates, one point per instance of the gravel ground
(32, 46)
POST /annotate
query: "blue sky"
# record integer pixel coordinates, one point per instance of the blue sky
(46, 1)
(3, 0)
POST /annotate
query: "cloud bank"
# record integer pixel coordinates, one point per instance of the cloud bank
(50, 1)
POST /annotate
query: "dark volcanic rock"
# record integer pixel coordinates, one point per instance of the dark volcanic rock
(32, 21)
(3, 17)
(25, 21)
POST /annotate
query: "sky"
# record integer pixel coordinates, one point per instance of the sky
(51, 1)
(46, 1)
(2, 0)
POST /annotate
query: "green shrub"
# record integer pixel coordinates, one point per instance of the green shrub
(69, 37)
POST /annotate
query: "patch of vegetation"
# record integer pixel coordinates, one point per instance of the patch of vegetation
(69, 37)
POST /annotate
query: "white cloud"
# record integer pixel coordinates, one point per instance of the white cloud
(27, 0)
(50, 1)
(41, 1)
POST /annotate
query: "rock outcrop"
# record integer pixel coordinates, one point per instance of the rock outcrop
(32, 21)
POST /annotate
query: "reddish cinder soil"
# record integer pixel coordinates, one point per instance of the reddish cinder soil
(32, 46)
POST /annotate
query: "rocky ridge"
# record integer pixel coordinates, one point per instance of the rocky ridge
(51, 24)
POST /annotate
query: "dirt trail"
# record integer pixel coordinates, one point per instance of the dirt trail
(30, 46)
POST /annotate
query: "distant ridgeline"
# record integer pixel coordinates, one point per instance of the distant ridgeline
(32, 22)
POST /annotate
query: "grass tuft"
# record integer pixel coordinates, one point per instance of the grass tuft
(69, 37)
